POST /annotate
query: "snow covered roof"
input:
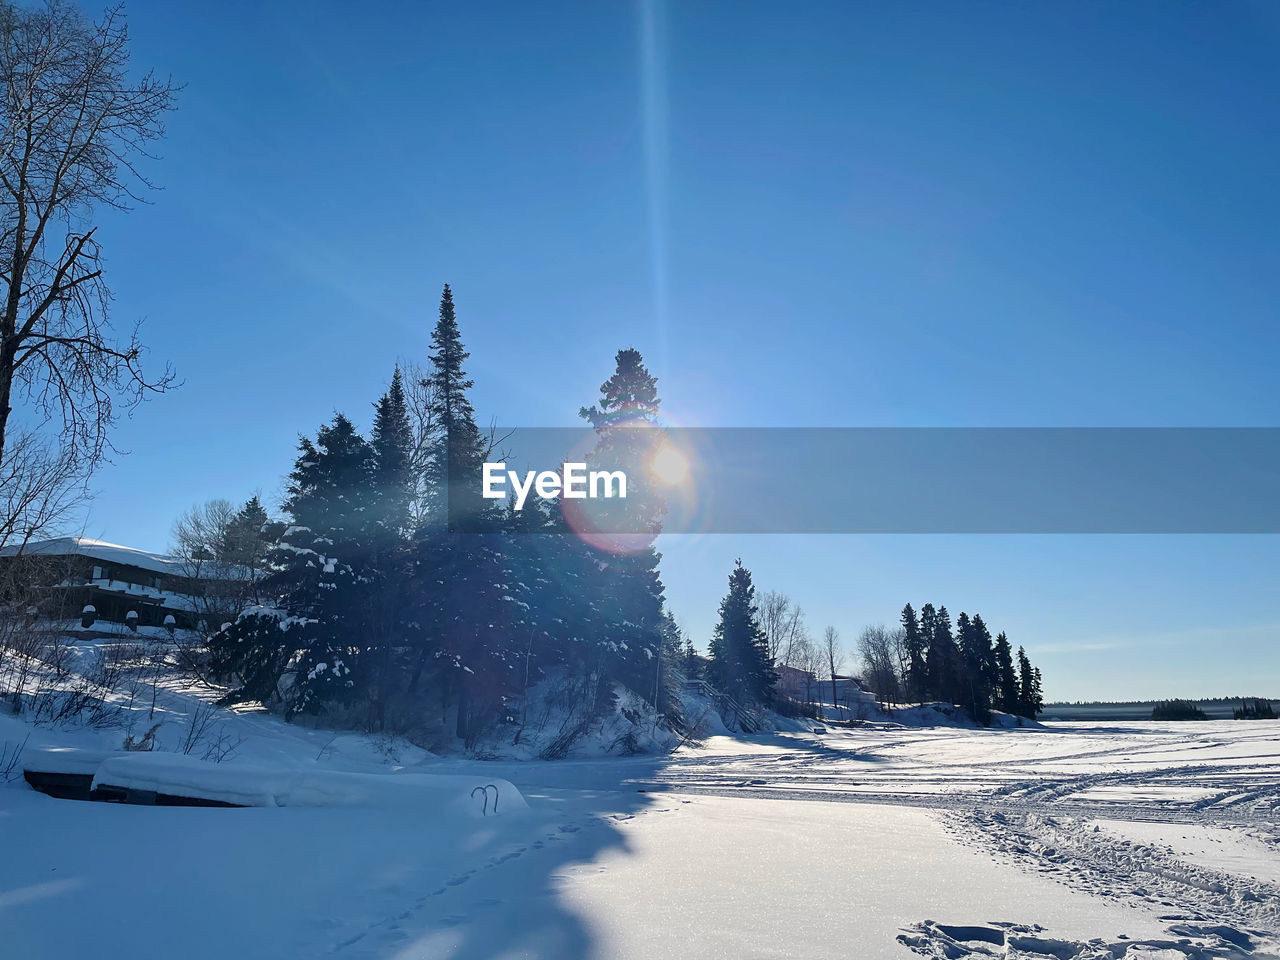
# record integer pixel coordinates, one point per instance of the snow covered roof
(98, 550)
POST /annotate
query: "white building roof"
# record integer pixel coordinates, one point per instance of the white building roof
(98, 550)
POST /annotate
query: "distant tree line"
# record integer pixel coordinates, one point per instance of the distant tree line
(1177, 710)
(1255, 709)
(1250, 708)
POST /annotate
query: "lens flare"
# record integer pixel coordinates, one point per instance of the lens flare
(669, 465)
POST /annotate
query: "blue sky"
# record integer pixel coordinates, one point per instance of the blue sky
(985, 214)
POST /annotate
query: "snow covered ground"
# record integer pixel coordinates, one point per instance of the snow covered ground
(1072, 840)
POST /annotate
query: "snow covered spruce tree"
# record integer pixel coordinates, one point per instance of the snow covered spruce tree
(301, 645)
(459, 576)
(625, 419)
(740, 664)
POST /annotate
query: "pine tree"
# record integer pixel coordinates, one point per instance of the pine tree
(669, 669)
(985, 653)
(392, 444)
(626, 428)
(460, 574)
(916, 679)
(740, 664)
(975, 651)
(625, 419)
(942, 658)
(691, 665)
(1256, 709)
(1030, 700)
(388, 615)
(458, 451)
(630, 395)
(1006, 684)
(300, 646)
(246, 543)
(932, 666)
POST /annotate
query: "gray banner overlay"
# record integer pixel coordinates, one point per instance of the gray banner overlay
(948, 480)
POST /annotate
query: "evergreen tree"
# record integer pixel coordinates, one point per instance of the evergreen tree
(387, 579)
(457, 449)
(630, 395)
(942, 658)
(740, 664)
(916, 679)
(670, 669)
(975, 652)
(1030, 700)
(460, 577)
(1006, 685)
(625, 420)
(932, 665)
(1177, 710)
(392, 444)
(300, 645)
(691, 666)
(246, 540)
(985, 654)
(1255, 709)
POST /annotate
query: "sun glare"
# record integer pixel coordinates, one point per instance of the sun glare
(669, 465)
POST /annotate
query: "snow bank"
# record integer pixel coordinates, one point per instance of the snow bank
(560, 723)
(72, 760)
(471, 796)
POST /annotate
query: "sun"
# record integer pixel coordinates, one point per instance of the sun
(669, 465)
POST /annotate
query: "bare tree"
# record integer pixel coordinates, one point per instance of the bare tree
(219, 570)
(807, 656)
(876, 648)
(42, 487)
(782, 621)
(74, 128)
(833, 656)
(419, 394)
(201, 532)
(901, 659)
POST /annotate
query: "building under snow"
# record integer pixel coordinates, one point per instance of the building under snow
(72, 573)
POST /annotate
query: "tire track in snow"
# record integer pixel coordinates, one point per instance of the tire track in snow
(1083, 856)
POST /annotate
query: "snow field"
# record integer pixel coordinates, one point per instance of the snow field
(1088, 841)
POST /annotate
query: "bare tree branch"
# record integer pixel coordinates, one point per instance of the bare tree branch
(74, 129)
